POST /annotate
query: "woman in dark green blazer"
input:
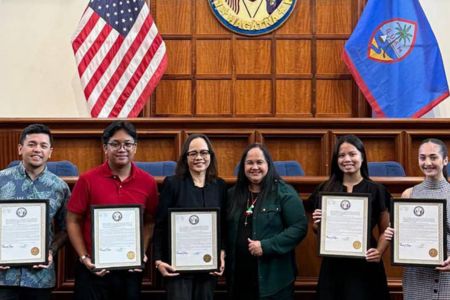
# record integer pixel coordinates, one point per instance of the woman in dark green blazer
(265, 221)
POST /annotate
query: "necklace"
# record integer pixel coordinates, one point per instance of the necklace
(250, 206)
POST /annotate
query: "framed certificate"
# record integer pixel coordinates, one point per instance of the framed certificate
(421, 231)
(23, 232)
(345, 225)
(117, 237)
(194, 237)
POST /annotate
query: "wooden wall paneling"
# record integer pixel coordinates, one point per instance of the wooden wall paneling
(9, 141)
(308, 46)
(66, 261)
(293, 57)
(179, 56)
(213, 57)
(334, 16)
(85, 149)
(293, 98)
(253, 97)
(386, 145)
(307, 258)
(214, 97)
(205, 21)
(300, 20)
(228, 146)
(299, 145)
(174, 97)
(329, 60)
(158, 145)
(213, 94)
(174, 16)
(334, 98)
(252, 56)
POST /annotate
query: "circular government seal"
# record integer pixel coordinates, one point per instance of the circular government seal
(207, 258)
(357, 244)
(131, 255)
(252, 17)
(433, 252)
(21, 212)
(345, 204)
(117, 216)
(194, 219)
(419, 211)
(34, 251)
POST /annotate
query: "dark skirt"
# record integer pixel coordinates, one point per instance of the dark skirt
(348, 279)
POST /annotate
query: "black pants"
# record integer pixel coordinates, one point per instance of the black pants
(195, 287)
(24, 293)
(117, 285)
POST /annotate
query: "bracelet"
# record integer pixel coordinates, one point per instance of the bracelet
(83, 257)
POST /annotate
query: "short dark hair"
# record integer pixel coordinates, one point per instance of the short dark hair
(443, 151)
(182, 169)
(116, 126)
(35, 128)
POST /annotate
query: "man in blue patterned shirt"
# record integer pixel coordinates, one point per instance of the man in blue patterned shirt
(31, 180)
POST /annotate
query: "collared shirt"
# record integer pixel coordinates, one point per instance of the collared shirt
(15, 184)
(100, 186)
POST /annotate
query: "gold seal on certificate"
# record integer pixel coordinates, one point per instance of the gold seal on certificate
(131, 255)
(344, 229)
(433, 252)
(206, 258)
(34, 251)
(357, 244)
(194, 238)
(117, 237)
(23, 232)
(420, 232)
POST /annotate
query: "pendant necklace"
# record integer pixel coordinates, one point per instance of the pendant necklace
(251, 200)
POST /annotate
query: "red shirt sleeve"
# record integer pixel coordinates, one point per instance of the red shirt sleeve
(79, 201)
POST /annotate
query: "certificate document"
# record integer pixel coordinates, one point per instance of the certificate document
(23, 232)
(194, 238)
(117, 237)
(421, 236)
(344, 228)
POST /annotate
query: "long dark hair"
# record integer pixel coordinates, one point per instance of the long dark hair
(240, 196)
(182, 169)
(334, 183)
(443, 151)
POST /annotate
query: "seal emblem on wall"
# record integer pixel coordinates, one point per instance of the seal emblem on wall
(252, 17)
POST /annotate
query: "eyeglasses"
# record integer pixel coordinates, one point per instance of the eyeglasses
(118, 145)
(194, 154)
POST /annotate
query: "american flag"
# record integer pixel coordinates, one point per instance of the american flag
(120, 56)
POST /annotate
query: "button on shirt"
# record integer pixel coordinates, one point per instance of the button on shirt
(15, 184)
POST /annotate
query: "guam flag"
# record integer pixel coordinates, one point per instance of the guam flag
(395, 59)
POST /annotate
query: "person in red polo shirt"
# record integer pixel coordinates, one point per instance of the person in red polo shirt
(117, 181)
